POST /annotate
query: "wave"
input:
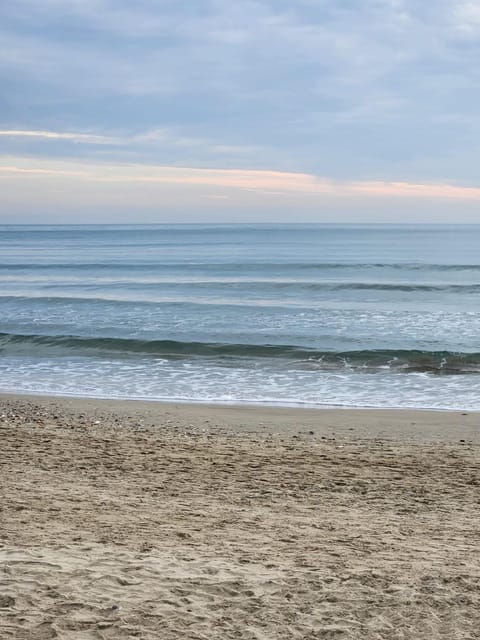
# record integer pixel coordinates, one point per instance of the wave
(243, 266)
(369, 361)
(400, 286)
(79, 287)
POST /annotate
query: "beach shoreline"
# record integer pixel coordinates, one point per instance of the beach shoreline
(126, 519)
(398, 423)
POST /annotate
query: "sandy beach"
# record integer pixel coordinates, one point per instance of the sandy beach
(148, 520)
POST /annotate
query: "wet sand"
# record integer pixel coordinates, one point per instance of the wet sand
(149, 520)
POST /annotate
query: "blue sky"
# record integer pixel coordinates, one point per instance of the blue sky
(314, 110)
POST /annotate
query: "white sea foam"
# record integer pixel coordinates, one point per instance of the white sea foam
(196, 382)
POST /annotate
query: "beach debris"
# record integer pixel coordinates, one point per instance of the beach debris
(6, 601)
(104, 624)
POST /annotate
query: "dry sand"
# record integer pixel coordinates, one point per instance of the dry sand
(147, 520)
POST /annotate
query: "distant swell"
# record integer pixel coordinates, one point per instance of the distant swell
(182, 266)
(439, 362)
(246, 288)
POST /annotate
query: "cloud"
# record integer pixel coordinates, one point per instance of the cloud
(377, 91)
(55, 135)
(412, 190)
(272, 183)
(160, 144)
(43, 172)
(466, 18)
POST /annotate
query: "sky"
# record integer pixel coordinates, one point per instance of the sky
(239, 111)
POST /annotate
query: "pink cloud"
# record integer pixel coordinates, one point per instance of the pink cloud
(265, 182)
(39, 171)
(415, 190)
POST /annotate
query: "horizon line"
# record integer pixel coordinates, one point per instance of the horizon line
(236, 224)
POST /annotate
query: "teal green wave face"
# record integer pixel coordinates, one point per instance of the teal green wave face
(244, 355)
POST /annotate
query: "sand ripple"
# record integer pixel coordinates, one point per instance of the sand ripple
(113, 529)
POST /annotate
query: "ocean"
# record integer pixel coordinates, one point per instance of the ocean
(310, 315)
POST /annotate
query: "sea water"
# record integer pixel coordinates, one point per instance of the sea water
(318, 315)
